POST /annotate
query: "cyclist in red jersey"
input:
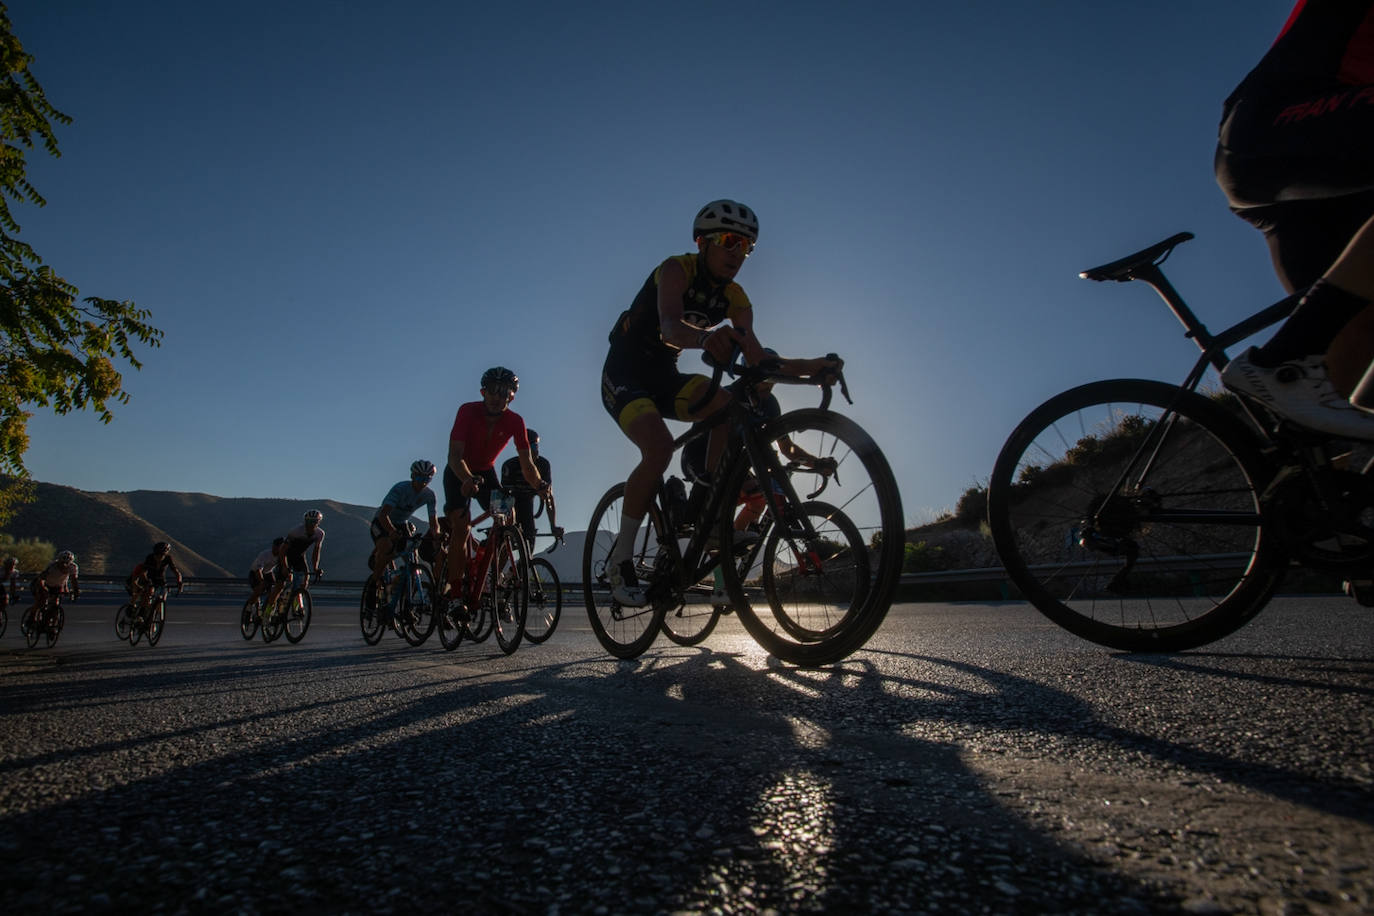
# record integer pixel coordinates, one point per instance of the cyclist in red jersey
(1295, 156)
(480, 431)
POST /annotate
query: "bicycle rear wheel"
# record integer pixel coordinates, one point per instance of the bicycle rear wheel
(417, 605)
(157, 618)
(124, 620)
(249, 619)
(507, 585)
(624, 632)
(298, 614)
(692, 621)
(545, 601)
(809, 615)
(28, 625)
(1127, 511)
(274, 618)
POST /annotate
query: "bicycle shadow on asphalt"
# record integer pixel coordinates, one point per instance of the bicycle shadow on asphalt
(674, 782)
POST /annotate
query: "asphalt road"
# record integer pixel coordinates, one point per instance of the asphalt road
(973, 758)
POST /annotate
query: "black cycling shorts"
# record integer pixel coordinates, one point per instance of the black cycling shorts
(1299, 166)
(453, 490)
(634, 383)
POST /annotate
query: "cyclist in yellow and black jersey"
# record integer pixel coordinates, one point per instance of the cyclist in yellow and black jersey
(689, 301)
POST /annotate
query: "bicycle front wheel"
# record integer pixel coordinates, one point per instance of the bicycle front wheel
(58, 619)
(1128, 512)
(370, 612)
(508, 587)
(817, 609)
(157, 618)
(124, 621)
(418, 606)
(625, 632)
(545, 601)
(28, 625)
(274, 618)
(298, 616)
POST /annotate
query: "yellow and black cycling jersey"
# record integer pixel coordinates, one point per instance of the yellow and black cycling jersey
(704, 304)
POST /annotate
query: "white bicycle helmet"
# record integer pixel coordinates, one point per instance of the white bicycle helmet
(422, 468)
(314, 515)
(726, 216)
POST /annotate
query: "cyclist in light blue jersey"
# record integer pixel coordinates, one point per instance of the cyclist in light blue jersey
(400, 503)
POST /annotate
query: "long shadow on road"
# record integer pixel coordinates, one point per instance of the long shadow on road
(348, 780)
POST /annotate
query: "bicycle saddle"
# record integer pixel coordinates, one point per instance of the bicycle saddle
(1123, 269)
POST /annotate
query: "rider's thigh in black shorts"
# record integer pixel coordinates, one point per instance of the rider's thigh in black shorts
(453, 490)
(1299, 166)
(634, 383)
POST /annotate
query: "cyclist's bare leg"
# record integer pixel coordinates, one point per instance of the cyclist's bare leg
(381, 555)
(655, 443)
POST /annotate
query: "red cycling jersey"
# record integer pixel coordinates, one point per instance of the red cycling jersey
(480, 444)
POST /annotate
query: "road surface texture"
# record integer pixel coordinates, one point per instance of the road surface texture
(973, 758)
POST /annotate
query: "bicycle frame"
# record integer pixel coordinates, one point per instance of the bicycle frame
(1144, 266)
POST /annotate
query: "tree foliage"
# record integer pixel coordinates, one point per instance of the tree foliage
(33, 555)
(55, 352)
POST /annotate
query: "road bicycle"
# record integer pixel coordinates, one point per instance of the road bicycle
(495, 594)
(7, 598)
(145, 616)
(826, 571)
(545, 601)
(290, 613)
(44, 621)
(1146, 516)
(404, 598)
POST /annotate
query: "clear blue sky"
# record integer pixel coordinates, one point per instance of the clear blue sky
(340, 213)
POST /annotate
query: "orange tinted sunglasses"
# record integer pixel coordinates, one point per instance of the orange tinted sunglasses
(732, 241)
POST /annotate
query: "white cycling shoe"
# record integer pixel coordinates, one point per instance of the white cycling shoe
(1299, 390)
(625, 587)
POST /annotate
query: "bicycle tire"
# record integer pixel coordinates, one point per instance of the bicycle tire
(418, 605)
(1053, 495)
(814, 589)
(27, 626)
(124, 621)
(297, 617)
(623, 632)
(448, 621)
(863, 491)
(274, 619)
(136, 626)
(4, 618)
(156, 622)
(691, 622)
(54, 630)
(508, 585)
(249, 619)
(370, 618)
(545, 601)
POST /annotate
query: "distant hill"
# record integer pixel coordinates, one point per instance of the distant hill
(210, 535)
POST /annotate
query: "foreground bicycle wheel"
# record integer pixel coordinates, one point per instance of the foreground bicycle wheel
(124, 620)
(55, 624)
(624, 632)
(274, 618)
(507, 586)
(1127, 512)
(861, 499)
(545, 600)
(298, 613)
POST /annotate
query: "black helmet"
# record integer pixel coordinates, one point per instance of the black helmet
(161, 547)
(500, 375)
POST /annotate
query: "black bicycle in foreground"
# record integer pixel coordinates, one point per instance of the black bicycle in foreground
(825, 572)
(1147, 516)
